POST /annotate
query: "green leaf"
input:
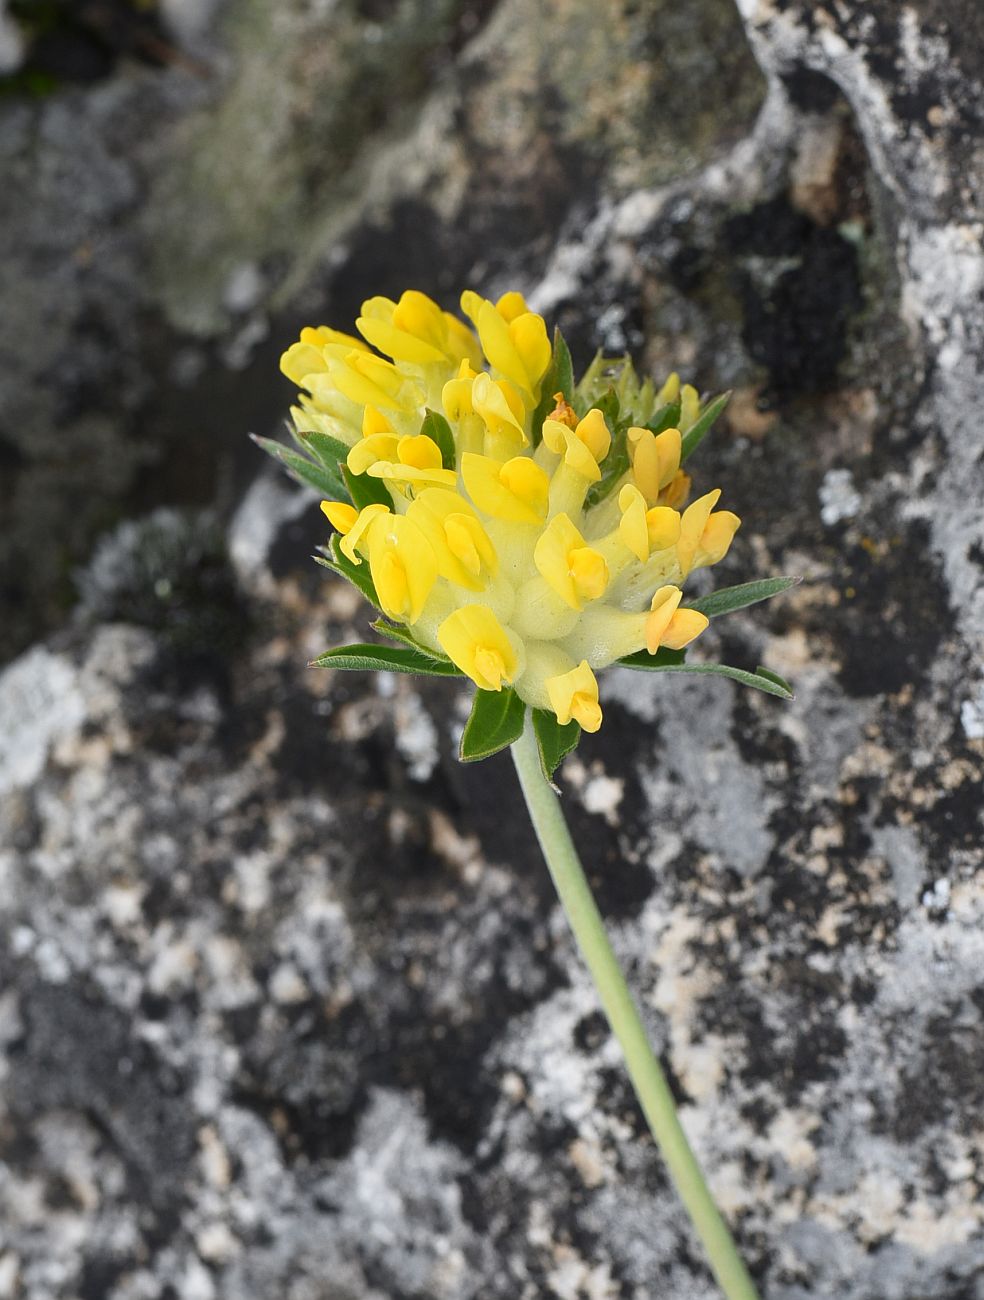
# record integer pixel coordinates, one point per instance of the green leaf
(496, 720)
(563, 367)
(302, 470)
(663, 658)
(761, 679)
(436, 427)
(554, 741)
(383, 658)
(729, 599)
(366, 490)
(610, 407)
(665, 418)
(397, 632)
(776, 680)
(358, 574)
(558, 379)
(331, 452)
(695, 434)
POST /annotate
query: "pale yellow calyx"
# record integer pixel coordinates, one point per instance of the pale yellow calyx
(575, 571)
(655, 459)
(358, 530)
(341, 515)
(463, 550)
(403, 566)
(574, 697)
(477, 643)
(669, 626)
(517, 491)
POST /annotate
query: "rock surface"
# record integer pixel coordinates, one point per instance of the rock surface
(286, 1005)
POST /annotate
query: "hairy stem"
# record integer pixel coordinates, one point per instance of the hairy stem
(644, 1069)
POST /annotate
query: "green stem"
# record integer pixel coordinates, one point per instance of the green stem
(644, 1069)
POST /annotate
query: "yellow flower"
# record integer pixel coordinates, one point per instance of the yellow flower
(403, 566)
(341, 515)
(464, 553)
(669, 626)
(517, 491)
(655, 459)
(370, 380)
(705, 533)
(576, 571)
(531, 556)
(514, 340)
(475, 640)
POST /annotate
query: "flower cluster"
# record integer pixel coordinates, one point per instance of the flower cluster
(525, 530)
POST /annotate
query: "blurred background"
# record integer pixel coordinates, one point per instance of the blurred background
(286, 1005)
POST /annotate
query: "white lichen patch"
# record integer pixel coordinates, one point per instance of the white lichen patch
(40, 702)
(416, 735)
(972, 713)
(602, 794)
(839, 498)
(573, 1278)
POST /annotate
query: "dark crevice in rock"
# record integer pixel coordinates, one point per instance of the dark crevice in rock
(795, 319)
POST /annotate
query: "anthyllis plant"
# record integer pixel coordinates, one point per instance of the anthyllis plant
(524, 531)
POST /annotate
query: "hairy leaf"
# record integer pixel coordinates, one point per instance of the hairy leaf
(762, 679)
(554, 741)
(304, 471)
(384, 658)
(729, 599)
(366, 490)
(496, 720)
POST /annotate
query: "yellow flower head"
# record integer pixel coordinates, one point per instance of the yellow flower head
(525, 531)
